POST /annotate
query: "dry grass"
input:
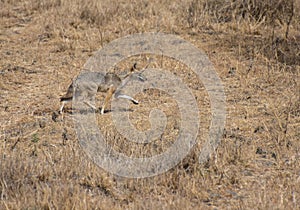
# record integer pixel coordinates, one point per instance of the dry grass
(254, 47)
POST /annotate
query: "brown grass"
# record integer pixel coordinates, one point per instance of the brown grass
(254, 46)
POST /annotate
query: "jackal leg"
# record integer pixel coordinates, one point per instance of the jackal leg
(90, 105)
(62, 107)
(108, 97)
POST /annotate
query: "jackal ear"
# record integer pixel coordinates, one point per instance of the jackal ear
(133, 68)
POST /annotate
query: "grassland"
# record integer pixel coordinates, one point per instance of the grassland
(255, 48)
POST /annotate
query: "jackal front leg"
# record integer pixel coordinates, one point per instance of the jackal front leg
(108, 97)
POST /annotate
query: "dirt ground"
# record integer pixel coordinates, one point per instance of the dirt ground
(255, 49)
